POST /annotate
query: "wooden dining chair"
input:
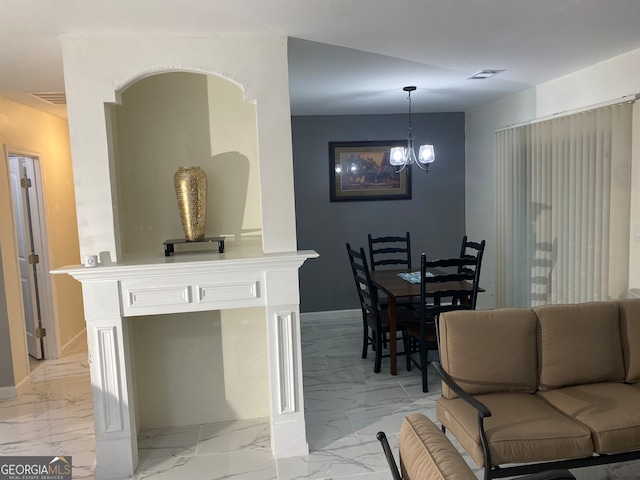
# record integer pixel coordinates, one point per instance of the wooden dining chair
(471, 250)
(375, 321)
(441, 282)
(393, 251)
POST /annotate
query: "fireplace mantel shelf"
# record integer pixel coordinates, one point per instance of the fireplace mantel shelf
(191, 264)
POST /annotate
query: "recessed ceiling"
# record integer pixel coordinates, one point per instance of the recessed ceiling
(345, 57)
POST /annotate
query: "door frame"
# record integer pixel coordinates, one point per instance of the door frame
(51, 342)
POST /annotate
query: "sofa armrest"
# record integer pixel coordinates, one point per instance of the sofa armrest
(482, 409)
(382, 438)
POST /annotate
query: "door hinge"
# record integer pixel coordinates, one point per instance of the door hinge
(33, 259)
(25, 182)
(41, 332)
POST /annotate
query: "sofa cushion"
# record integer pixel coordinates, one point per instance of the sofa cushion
(611, 411)
(579, 344)
(630, 335)
(488, 351)
(522, 428)
(426, 452)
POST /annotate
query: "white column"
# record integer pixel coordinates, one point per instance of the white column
(288, 432)
(111, 381)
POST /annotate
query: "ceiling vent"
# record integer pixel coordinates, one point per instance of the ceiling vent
(482, 74)
(54, 98)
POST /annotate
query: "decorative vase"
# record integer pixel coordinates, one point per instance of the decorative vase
(191, 192)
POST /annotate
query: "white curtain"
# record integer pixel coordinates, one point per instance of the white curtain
(562, 197)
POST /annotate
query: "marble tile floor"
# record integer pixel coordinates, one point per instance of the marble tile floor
(346, 404)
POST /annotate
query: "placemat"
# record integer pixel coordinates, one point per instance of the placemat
(413, 277)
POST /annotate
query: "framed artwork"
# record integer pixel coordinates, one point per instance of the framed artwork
(362, 171)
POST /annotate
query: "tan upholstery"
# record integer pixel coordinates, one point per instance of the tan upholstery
(426, 453)
(583, 398)
(579, 344)
(523, 428)
(630, 335)
(482, 341)
(610, 410)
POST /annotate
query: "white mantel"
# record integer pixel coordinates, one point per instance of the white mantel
(114, 293)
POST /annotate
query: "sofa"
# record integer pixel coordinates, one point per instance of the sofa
(557, 386)
(427, 454)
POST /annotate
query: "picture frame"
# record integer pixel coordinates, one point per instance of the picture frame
(361, 171)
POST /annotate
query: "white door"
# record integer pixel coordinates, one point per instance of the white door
(26, 217)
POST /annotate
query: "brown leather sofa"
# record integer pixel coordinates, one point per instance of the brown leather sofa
(427, 454)
(558, 384)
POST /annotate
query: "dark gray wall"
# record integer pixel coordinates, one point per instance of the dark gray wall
(435, 216)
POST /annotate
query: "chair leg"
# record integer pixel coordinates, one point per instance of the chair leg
(378, 360)
(365, 341)
(406, 341)
(365, 337)
(423, 366)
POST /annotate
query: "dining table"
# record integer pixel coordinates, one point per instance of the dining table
(394, 286)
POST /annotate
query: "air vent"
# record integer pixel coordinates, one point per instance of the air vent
(54, 98)
(482, 74)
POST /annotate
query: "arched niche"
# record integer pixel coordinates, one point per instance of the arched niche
(179, 118)
(99, 69)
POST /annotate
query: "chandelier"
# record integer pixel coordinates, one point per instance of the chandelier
(402, 157)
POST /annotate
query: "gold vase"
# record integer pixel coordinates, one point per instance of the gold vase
(191, 192)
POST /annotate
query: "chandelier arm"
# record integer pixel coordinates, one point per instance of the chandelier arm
(399, 170)
(421, 167)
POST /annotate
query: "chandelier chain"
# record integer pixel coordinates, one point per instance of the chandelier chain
(410, 123)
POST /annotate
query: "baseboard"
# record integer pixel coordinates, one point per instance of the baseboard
(330, 315)
(7, 393)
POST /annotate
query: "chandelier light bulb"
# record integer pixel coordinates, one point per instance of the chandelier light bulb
(397, 156)
(426, 154)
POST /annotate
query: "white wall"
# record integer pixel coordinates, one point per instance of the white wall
(236, 186)
(612, 79)
(199, 368)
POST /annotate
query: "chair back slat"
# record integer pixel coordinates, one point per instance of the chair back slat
(390, 250)
(471, 249)
(460, 284)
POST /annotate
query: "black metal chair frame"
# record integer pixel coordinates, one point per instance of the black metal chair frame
(383, 247)
(496, 471)
(371, 313)
(417, 339)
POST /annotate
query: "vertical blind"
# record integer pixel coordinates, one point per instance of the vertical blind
(562, 197)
